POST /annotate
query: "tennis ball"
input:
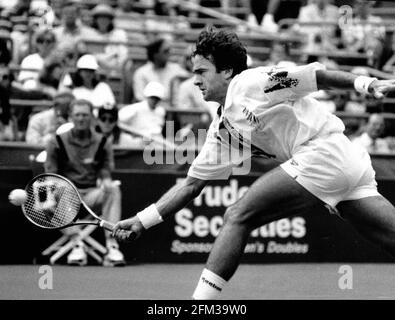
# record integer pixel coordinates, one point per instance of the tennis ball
(17, 197)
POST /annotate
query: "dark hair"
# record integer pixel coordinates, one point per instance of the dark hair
(45, 76)
(78, 82)
(223, 48)
(116, 131)
(95, 26)
(43, 33)
(153, 47)
(5, 52)
(5, 105)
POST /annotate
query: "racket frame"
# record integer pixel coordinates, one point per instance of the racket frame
(75, 222)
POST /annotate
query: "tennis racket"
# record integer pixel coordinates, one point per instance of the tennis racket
(53, 202)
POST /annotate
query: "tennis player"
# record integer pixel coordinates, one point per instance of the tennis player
(267, 110)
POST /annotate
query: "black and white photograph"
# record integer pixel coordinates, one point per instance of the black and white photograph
(197, 158)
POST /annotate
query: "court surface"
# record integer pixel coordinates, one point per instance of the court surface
(177, 282)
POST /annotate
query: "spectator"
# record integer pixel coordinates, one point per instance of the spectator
(71, 31)
(43, 125)
(365, 33)
(44, 44)
(371, 138)
(115, 53)
(147, 116)
(107, 124)
(87, 85)
(157, 69)
(320, 36)
(86, 157)
(70, 57)
(8, 122)
(49, 77)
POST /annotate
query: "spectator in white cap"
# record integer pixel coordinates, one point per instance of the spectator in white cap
(87, 84)
(116, 51)
(147, 116)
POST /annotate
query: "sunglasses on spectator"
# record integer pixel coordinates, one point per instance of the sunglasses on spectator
(107, 119)
(46, 41)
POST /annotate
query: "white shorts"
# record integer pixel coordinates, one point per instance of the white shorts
(333, 169)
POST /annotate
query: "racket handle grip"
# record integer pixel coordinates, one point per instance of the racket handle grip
(107, 225)
(110, 227)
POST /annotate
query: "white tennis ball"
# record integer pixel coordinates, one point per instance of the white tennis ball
(17, 197)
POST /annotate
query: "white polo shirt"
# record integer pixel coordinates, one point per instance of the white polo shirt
(267, 111)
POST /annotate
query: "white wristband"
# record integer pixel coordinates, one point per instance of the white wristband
(149, 217)
(362, 83)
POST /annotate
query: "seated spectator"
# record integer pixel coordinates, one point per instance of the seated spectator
(86, 158)
(43, 125)
(147, 116)
(70, 57)
(44, 45)
(319, 37)
(371, 138)
(364, 33)
(114, 54)
(49, 78)
(72, 31)
(157, 69)
(107, 124)
(8, 121)
(87, 84)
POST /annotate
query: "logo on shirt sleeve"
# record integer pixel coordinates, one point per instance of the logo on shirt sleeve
(280, 80)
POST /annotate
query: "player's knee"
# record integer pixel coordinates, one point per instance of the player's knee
(237, 215)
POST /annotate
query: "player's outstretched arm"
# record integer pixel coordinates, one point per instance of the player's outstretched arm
(329, 79)
(171, 202)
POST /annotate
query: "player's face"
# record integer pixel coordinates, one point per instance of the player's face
(211, 83)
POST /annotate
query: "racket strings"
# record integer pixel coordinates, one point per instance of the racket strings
(52, 202)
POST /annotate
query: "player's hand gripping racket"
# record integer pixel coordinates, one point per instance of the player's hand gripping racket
(53, 202)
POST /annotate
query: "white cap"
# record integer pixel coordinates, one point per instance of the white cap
(87, 61)
(154, 89)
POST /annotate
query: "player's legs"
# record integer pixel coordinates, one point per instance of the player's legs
(273, 196)
(374, 218)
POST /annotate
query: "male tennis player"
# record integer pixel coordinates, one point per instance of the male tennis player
(267, 110)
